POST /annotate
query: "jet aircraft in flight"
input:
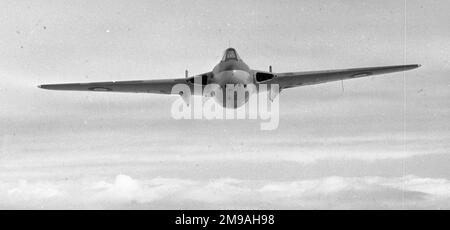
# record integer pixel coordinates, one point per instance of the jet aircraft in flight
(231, 70)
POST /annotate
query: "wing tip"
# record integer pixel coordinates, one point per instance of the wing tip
(411, 66)
(48, 87)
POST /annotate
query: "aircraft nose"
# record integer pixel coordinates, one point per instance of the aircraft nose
(237, 77)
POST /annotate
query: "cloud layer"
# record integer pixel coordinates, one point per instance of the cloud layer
(161, 193)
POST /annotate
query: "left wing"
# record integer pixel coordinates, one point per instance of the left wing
(146, 86)
(163, 86)
(293, 79)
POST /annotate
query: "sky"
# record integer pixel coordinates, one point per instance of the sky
(381, 143)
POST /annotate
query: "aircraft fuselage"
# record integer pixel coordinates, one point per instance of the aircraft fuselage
(232, 74)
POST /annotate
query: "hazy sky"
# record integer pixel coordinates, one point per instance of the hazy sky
(382, 143)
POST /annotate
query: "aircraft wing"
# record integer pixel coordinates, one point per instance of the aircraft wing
(145, 86)
(294, 79)
(141, 86)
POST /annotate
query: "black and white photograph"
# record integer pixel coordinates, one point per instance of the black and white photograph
(224, 105)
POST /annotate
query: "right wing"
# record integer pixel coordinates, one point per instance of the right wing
(293, 79)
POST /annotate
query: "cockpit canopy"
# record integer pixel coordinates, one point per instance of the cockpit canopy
(230, 54)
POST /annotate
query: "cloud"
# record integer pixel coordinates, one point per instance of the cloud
(225, 193)
(28, 195)
(126, 189)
